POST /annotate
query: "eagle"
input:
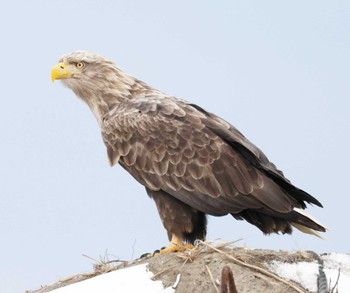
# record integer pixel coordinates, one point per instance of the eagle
(191, 162)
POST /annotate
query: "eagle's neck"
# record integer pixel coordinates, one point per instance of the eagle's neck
(102, 93)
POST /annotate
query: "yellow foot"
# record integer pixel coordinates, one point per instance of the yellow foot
(176, 247)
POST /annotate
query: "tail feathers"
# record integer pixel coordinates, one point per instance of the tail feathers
(307, 223)
(275, 222)
(311, 218)
(307, 230)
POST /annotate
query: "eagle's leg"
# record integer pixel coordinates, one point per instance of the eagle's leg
(176, 244)
(183, 223)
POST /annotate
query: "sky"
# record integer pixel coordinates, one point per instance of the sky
(277, 70)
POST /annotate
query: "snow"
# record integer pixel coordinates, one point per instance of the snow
(132, 279)
(305, 273)
(332, 263)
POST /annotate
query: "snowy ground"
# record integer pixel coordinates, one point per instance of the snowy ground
(132, 279)
(295, 267)
(305, 273)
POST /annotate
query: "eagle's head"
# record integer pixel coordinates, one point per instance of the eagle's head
(85, 72)
(93, 78)
(78, 65)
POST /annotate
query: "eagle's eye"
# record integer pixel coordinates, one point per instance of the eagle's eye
(80, 65)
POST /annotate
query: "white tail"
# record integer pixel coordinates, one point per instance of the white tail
(306, 229)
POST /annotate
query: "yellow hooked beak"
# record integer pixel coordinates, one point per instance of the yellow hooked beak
(61, 70)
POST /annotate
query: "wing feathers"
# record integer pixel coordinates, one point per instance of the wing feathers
(198, 158)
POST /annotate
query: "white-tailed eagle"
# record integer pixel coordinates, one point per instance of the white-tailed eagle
(191, 162)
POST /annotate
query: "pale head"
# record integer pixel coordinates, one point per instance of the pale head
(93, 78)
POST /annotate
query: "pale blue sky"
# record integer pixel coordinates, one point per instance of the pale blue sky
(278, 70)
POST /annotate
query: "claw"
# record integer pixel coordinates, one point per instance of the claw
(148, 254)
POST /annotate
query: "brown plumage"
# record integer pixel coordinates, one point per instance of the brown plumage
(191, 162)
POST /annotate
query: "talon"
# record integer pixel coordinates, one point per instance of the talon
(147, 254)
